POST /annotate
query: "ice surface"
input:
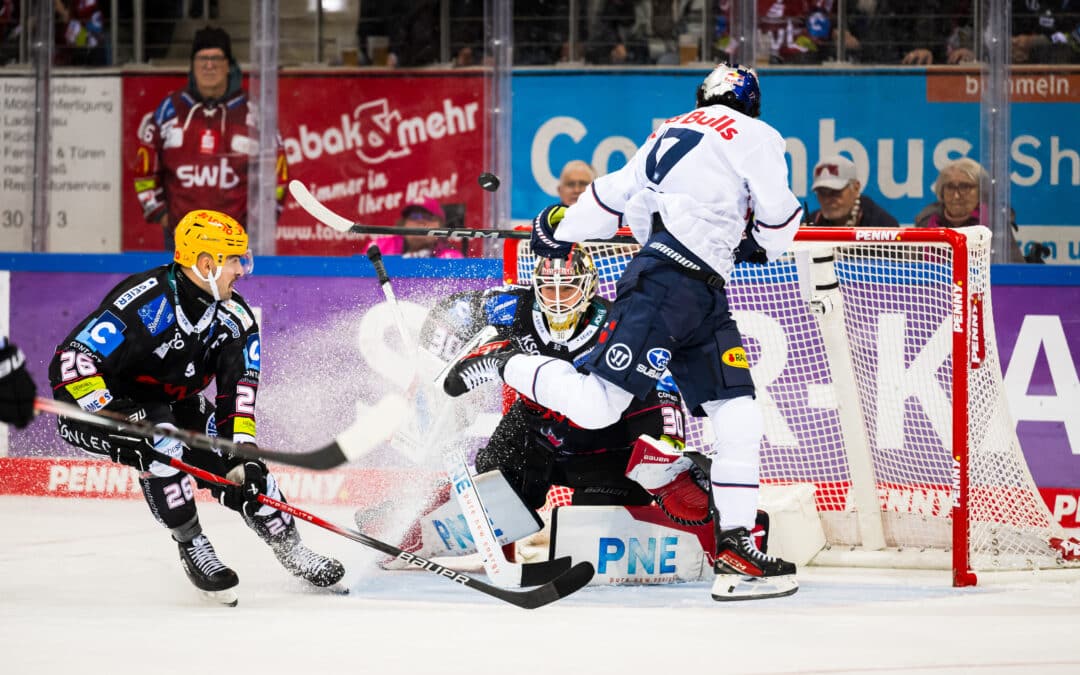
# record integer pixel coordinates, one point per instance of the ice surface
(96, 587)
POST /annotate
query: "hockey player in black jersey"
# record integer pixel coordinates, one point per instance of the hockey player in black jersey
(149, 350)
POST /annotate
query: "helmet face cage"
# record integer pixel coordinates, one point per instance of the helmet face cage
(564, 287)
(215, 234)
(734, 86)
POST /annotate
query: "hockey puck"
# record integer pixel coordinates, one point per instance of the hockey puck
(489, 181)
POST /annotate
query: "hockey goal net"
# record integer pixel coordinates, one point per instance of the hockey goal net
(876, 366)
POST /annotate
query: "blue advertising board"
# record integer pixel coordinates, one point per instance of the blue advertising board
(899, 125)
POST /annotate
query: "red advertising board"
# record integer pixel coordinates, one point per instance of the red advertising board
(365, 144)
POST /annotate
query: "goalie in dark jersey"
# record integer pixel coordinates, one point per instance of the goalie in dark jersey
(560, 315)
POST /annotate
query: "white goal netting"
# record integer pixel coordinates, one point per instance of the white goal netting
(876, 366)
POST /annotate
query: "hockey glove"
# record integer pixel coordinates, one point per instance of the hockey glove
(17, 390)
(130, 451)
(749, 250)
(483, 364)
(250, 475)
(543, 240)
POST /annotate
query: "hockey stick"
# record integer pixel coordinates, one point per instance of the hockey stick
(323, 214)
(498, 568)
(574, 579)
(355, 441)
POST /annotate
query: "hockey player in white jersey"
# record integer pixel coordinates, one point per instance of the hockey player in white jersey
(706, 190)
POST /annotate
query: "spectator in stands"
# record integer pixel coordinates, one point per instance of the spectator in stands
(426, 213)
(10, 31)
(1046, 32)
(959, 188)
(414, 31)
(839, 193)
(913, 32)
(540, 31)
(575, 177)
(203, 131)
(80, 33)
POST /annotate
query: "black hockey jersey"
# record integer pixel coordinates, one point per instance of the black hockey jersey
(157, 338)
(515, 312)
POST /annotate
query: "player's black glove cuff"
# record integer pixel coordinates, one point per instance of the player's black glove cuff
(250, 476)
(749, 250)
(130, 451)
(543, 241)
(17, 390)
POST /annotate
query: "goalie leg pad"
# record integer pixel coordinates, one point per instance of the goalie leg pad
(444, 532)
(672, 478)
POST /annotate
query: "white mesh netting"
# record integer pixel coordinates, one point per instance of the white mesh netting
(867, 381)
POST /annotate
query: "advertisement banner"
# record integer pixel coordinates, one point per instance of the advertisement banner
(365, 145)
(330, 343)
(84, 163)
(898, 125)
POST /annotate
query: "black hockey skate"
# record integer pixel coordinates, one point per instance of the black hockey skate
(207, 572)
(745, 573)
(483, 362)
(315, 568)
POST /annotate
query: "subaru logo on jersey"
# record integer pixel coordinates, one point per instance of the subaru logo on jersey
(104, 334)
(251, 353)
(157, 315)
(618, 356)
(658, 357)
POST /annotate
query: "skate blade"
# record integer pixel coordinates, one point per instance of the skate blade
(727, 587)
(227, 597)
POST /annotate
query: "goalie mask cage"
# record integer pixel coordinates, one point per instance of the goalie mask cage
(876, 367)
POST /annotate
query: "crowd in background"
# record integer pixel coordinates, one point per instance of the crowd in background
(605, 32)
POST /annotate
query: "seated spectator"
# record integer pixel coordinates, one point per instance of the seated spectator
(426, 213)
(10, 31)
(1046, 32)
(80, 33)
(575, 177)
(913, 32)
(840, 194)
(958, 188)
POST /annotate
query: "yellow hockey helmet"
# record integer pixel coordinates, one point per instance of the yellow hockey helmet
(213, 233)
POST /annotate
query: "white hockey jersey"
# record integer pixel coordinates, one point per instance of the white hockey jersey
(704, 172)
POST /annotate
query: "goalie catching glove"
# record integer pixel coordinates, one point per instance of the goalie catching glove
(483, 363)
(543, 241)
(677, 484)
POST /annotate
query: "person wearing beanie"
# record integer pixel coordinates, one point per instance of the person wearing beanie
(193, 149)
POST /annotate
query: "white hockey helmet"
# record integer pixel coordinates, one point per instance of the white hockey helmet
(732, 85)
(564, 287)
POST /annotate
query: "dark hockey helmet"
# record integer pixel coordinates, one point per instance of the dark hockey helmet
(731, 85)
(564, 287)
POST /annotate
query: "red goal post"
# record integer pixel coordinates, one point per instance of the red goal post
(874, 356)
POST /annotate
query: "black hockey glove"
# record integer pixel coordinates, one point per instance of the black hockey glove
(543, 240)
(17, 390)
(749, 250)
(131, 451)
(250, 474)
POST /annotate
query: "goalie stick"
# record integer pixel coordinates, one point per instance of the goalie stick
(324, 215)
(560, 587)
(355, 441)
(498, 568)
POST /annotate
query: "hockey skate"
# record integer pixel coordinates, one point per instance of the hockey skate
(743, 572)
(211, 576)
(315, 568)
